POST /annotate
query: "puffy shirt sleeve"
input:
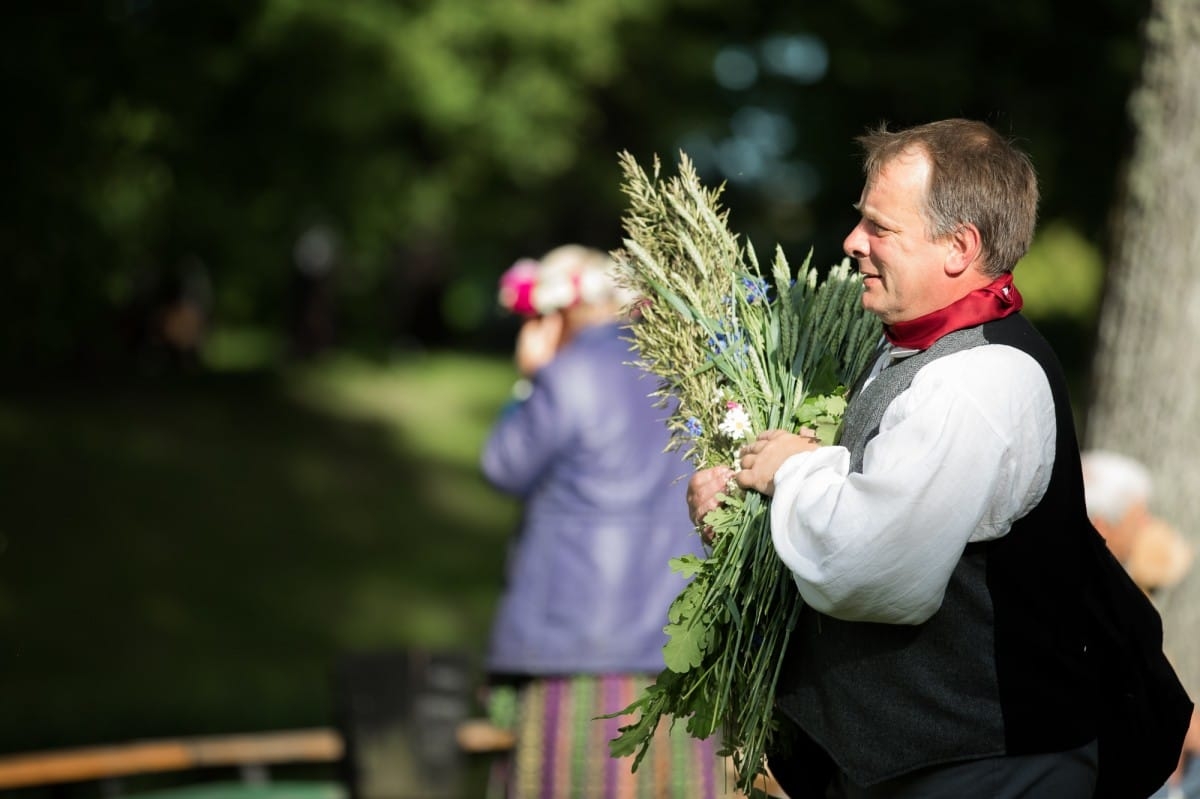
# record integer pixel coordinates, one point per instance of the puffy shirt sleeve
(960, 455)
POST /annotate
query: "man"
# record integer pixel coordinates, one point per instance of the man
(943, 546)
(1118, 492)
(1157, 557)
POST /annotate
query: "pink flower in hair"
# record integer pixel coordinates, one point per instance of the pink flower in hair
(517, 286)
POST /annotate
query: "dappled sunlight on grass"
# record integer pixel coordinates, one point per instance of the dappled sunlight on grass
(193, 555)
(371, 614)
(437, 404)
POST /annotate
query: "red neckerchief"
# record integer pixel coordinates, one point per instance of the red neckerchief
(996, 300)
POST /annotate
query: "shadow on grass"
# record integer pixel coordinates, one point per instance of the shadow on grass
(191, 556)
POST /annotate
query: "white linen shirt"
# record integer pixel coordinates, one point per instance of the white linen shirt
(960, 455)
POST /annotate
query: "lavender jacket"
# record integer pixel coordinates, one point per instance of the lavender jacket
(588, 580)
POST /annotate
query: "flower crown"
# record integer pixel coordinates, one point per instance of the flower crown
(536, 288)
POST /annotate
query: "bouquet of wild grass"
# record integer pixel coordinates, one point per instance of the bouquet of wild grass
(740, 352)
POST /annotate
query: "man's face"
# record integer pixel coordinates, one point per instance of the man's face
(1122, 535)
(901, 266)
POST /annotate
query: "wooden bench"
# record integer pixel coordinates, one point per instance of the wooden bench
(246, 751)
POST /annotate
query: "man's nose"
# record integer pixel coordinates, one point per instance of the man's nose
(855, 244)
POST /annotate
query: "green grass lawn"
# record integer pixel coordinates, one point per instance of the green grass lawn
(193, 555)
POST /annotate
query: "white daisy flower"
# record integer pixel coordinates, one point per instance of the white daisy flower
(736, 424)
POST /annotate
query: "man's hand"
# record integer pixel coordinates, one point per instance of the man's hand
(703, 489)
(759, 461)
(763, 457)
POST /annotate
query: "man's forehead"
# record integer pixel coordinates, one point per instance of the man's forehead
(903, 173)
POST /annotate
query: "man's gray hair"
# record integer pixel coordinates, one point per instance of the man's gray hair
(1113, 483)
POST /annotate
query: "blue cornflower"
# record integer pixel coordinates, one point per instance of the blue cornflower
(693, 427)
(728, 344)
(757, 289)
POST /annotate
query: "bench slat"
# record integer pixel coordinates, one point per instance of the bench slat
(143, 757)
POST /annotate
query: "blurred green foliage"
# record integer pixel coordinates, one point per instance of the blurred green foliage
(1062, 276)
(153, 139)
(356, 173)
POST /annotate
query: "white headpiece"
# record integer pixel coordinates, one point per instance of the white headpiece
(1113, 483)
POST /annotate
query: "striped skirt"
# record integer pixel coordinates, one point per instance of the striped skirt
(562, 747)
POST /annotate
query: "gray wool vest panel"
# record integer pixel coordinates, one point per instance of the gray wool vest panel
(884, 699)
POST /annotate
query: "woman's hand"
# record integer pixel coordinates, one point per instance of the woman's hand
(761, 458)
(538, 342)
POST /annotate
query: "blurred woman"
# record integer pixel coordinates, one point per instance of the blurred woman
(579, 630)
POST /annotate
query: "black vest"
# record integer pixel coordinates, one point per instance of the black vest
(1002, 667)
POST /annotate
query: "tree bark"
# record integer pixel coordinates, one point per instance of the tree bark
(1146, 373)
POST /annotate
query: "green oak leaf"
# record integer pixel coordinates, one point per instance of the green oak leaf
(687, 642)
(687, 565)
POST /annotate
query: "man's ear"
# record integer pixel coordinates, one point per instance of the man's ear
(964, 248)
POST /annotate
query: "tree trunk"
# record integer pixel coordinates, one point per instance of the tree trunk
(1146, 373)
